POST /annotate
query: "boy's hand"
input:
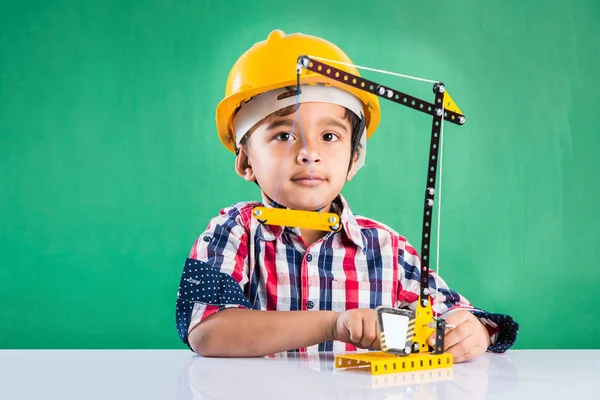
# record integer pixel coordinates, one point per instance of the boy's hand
(469, 338)
(357, 327)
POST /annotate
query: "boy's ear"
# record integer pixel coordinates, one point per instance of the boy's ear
(353, 169)
(243, 166)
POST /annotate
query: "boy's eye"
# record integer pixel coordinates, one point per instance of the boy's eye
(283, 136)
(330, 137)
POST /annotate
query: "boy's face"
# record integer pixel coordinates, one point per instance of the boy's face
(304, 169)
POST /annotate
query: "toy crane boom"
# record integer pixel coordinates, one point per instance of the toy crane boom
(404, 334)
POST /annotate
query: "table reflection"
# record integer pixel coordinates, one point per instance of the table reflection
(304, 376)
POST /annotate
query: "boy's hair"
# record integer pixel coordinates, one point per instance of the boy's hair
(356, 125)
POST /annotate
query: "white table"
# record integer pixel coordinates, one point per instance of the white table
(174, 374)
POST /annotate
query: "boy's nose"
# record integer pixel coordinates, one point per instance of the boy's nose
(307, 154)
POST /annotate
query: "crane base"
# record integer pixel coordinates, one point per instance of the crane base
(381, 362)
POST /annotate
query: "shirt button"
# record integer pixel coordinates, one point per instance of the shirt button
(207, 238)
(309, 258)
(310, 304)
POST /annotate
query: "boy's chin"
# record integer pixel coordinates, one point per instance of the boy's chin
(311, 207)
(307, 205)
(303, 201)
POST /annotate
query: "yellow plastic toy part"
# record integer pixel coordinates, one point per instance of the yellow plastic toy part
(297, 218)
(411, 332)
(423, 329)
(380, 362)
(449, 104)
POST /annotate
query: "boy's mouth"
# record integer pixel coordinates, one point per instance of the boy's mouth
(308, 179)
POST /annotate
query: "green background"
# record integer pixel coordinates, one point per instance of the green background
(110, 165)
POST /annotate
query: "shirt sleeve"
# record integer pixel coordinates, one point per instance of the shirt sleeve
(215, 272)
(501, 328)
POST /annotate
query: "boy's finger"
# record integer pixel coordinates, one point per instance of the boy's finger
(469, 354)
(465, 348)
(454, 336)
(458, 317)
(369, 333)
(355, 329)
(376, 344)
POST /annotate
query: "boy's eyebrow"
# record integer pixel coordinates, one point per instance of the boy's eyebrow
(287, 122)
(279, 123)
(334, 122)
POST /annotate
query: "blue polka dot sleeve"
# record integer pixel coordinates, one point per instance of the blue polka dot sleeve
(508, 329)
(202, 283)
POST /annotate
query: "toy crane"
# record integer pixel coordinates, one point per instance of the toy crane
(403, 334)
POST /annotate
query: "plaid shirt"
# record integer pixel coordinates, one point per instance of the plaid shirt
(239, 262)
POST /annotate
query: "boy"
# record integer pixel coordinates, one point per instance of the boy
(252, 289)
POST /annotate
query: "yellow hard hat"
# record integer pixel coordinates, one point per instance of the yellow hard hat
(271, 64)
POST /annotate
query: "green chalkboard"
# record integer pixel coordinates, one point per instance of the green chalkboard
(110, 165)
